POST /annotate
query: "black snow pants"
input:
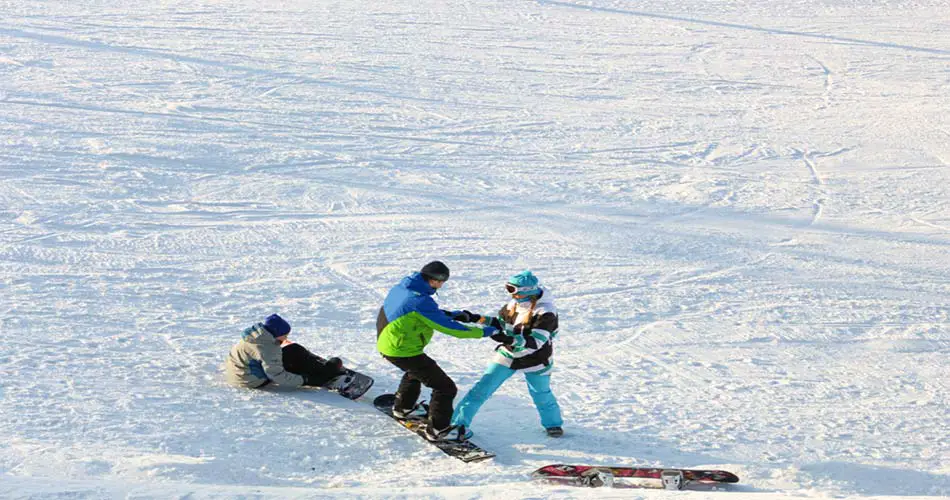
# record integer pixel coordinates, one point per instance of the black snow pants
(423, 370)
(297, 359)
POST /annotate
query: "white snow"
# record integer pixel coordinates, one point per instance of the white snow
(742, 208)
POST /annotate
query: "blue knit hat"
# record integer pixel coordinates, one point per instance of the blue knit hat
(524, 283)
(276, 325)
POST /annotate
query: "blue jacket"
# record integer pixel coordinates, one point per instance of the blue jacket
(410, 316)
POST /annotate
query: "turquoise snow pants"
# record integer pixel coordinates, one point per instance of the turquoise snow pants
(539, 386)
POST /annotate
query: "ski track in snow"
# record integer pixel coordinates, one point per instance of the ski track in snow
(742, 211)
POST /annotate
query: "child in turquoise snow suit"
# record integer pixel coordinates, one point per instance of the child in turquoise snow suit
(527, 326)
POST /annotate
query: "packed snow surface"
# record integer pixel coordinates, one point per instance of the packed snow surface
(741, 208)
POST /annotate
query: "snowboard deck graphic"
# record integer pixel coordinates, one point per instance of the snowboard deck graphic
(465, 451)
(596, 476)
(351, 384)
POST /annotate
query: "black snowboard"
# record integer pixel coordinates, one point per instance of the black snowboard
(465, 451)
(351, 384)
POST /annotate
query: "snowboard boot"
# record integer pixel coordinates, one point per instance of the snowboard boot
(418, 412)
(554, 432)
(335, 363)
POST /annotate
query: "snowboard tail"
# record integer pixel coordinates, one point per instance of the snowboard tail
(594, 476)
(351, 384)
(465, 451)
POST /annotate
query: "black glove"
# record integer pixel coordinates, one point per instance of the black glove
(502, 338)
(466, 317)
(495, 322)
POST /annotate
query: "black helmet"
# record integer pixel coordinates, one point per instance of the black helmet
(435, 270)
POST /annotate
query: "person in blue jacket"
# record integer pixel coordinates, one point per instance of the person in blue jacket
(405, 325)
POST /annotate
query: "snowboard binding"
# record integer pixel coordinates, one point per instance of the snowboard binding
(418, 413)
(596, 478)
(673, 480)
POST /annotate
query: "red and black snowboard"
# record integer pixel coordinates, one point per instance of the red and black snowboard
(595, 476)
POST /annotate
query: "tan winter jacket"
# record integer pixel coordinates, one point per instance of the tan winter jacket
(256, 359)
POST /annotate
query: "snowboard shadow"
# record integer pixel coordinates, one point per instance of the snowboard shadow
(323, 396)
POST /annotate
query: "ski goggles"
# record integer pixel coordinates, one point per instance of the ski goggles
(514, 290)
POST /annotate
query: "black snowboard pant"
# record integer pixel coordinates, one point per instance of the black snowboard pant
(297, 359)
(423, 370)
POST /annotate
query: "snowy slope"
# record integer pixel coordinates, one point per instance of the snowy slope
(742, 209)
